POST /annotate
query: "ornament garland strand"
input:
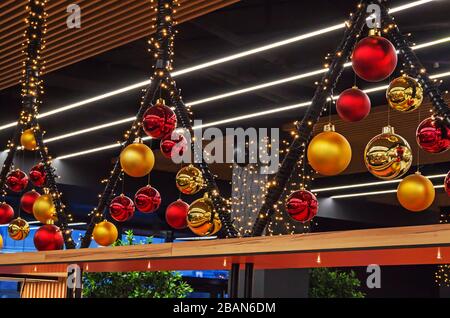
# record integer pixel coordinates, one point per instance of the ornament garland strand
(305, 127)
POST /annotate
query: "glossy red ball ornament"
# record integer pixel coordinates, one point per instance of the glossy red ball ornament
(16, 181)
(374, 58)
(173, 145)
(121, 208)
(302, 205)
(433, 135)
(38, 175)
(147, 199)
(176, 214)
(159, 121)
(353, 105)
(27, 200)
(48, 238)
(6, 213)
(447, 184)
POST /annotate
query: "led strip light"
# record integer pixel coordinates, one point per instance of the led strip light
(235, 119)
(343, 196)
(218, 61)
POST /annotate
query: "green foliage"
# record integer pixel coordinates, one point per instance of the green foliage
(161, 284)
(327, 283)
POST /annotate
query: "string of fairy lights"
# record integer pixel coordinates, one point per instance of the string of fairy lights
(442, 274)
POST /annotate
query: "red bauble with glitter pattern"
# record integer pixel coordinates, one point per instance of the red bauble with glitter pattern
(48, 238)
(6, 213)
(16, 181)
(302, 205)
(147, 199)
(433, 135)
(38, 175)
(374, 58)
(121, 208)
(447, 184)
(176, 146)
(27, 200)
(159, 121)
(176, 214)
(353, 105)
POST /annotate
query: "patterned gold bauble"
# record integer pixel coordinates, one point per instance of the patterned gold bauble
(1, 242)
(404, 94)
(18, 229)
(202, 219)
(105, 233)
(415, 192)
(189, 180)
(44, 210)
(137, 160)
(388, 155)
(27, 140)
(329, 153)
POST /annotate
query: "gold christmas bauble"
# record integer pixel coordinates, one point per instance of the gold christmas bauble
(27, 140)
(44, 210)
(105, 233)
(1, 242)
(415, 192)
(329, 153)
(202, 219)
(18, 229)
(388, 155)
(189, 180)
(404, 94)
(137, 160)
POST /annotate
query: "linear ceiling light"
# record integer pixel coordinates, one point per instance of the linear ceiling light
(213, 63)
(343, 196)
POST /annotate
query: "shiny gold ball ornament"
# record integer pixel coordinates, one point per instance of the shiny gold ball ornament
(137, 160)
(105, 233)
(18, 229)
(202, 219)
(189, 180)
(388, 155)
(404, 94)
(329, 153)
(44, 210)
(415, 192)
(27, 140)
(1, 242)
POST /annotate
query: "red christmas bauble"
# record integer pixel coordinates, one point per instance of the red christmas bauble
(302, 205)
(374, 58)
(159, 121)
(6, 213)
(353, 105)
(147, 199)
(27, 200)
(38, 175)
(16, 181)
(447, 184)
(433, 135)
(121, 208)
(176, 146)
(176, 214)
(48, 238)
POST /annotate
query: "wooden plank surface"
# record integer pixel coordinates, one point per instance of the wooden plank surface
(429, 244)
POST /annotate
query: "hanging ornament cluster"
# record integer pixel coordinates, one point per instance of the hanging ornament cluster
(105, 233)
(404, 94)
(447, 183)
(44, 210)
(159, 120)
(433, 135)
(302, 206)
(17, 181)
(374, 58)
(329, 153)
(48, 238)
(6, 213)
(388, 155)
(121, 208)
(18, 229)
(189, 180)
(202, 219)
(147, 199)
(415, 192)
(27, 201)
(27, 140)
(353, 105)
(38, 176)
(176, 214)
(137, 160)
